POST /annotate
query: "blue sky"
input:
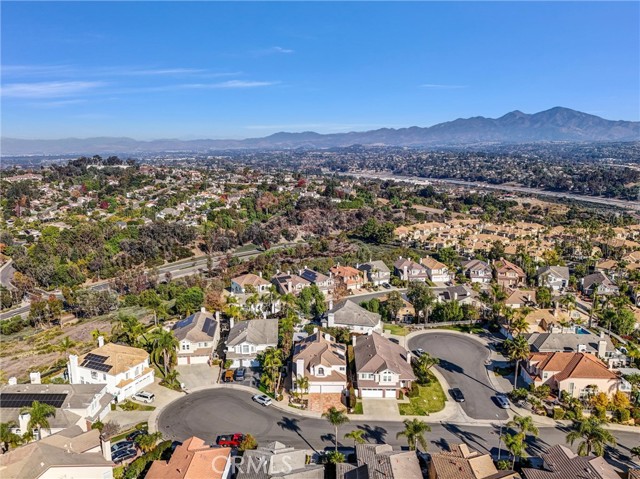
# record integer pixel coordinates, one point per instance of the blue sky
(235, 70)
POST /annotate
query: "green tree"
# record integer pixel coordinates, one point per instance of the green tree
(524, 425)
(394, 304)
(335, 457)
(421, 297)
(592, 435)
(271, 362)
(189, 301)
(164, 346)
(356, 436)
(39, 414)
(515, 444)
(414, 431)
(249, 442)
(147, 442)
(127, 329)
(336, 418)
(517, 350)
(8, 438)
(422, 367)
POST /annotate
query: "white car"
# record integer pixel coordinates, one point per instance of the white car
(144, 396)
(262, 399)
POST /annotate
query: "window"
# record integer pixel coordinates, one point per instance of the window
(386, 378)
(104, 376)
(245, 349)
(94, 375)
(320, 371)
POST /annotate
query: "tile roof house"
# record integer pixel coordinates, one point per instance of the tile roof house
(579, 374)
(559, 462)
(477, 271)
(461, 462)
(509, 275)
(408, 270)
(193, 459)
(323, 361)
(519, 298)
(325, 283)
(438, 272)
(583, 342)
(598, 283)
(380, 461)
(376, 272)
(276, 460)
(287, 283)
(555, 278)
(351, 277)
(382, 366)
(242, 284)
(248, 338)
(198, 337)
(124, 369)
(348, 314)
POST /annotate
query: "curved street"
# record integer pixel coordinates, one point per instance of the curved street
(462, 363)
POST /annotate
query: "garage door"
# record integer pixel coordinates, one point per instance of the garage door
(390, 393)
(373, 393)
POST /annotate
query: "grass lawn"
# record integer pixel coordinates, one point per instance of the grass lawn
(396, 329)
(134, 406)
(358, 408)
(124, 434)
(467, 328)
(431, 399)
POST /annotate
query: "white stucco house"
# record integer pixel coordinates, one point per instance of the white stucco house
(348, 314)
(198, 336)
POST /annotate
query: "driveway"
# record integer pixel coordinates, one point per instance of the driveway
(462, 363)
(197, 375)
(382, 408)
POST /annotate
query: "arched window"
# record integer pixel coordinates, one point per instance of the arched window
(320, 371)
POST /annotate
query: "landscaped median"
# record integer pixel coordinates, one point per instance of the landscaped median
(423, 399)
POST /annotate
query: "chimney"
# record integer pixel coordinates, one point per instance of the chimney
(260, 274)
(231, 323)
(23, 422)
(408, 357)
(13, 381)
(218, 316)
(601, 334)
(315, 330)
(353, 340)
(73, 369)
(330, 304)
(327, 336)
(105, 445)
(290, 286)
(602, 349)
(203, 309)
(100, 341)
(35, 378)
(455, 296)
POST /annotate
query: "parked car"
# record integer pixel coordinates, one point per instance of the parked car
(262, 399)
(418, 352)
(144, 396)
(239, 374)
(230, 440)
(228, 376)
(502, 401)
(457, 395)
(386, 285)
(119, 446)
(132, 436)
(123, 455)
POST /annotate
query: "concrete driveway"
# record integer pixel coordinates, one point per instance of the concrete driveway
(198, 375)
(385, 409)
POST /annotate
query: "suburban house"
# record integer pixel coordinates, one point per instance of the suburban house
(560, 462)
(323, 361)
(193, 459)
(350, 277)
(77, 405)
(598, 283)
(198, 337)
(287, 283)
(556, 278)
(276, 460)
(460, 293)
(124, 369)
(579, 374)
(520, 298)
(380, 461)
(408, 270)
(438, 272)
(509, 275)
(477, 271)
(582, 342)
(376, 272)
(348, 314)
(248, 338)
(462, 462)
(75, 455)
(382, 366)
(245, 283)
(325, 283)
(406, 313)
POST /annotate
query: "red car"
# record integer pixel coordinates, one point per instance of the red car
(230, 440)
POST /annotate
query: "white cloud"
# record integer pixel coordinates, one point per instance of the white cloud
(229, 84)
(53, 89)
(437, 86)
(282, 50)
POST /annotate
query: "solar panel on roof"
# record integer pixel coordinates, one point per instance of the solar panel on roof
(19, 400)
(95, 357)
(95, 365)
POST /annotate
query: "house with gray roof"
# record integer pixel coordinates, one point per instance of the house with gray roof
(249, 338)
(477, 271)
(380, 461)
(348, 314)
(560, 462)
(325, 283)
(382, 366)
(276, 460)
(376, 272)
(460, 293)
(598, 283)
(198, 336)
(556, 278)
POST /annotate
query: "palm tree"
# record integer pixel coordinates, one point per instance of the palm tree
(302, 383)
(39, 416)
(517, 350)
(271, 361)
(519, 324)
(127, 329)
(8, 438)
(147, 442)
(66, 344)
(164, 349)
(594, 437)
(525, 425)
(336, 418)
(515, 444)
(414, 430)
(356, 436)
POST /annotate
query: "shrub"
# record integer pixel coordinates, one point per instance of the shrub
(400, 394)
(600, 412)
(99, 425)
(519, 394)
(228, 363)
(414, 391)
(353, 400)
(623, 415)
(558, 413)
(249, 442)
(503, 465)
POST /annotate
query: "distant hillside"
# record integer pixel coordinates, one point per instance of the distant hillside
(556, 124)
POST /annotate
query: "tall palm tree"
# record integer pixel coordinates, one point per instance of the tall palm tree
(127, 329)
(515, 444)
(594, 437)
(356, 436)
(164, 349)
(336, 418)
(147, 442)
(66, 344)
(8, 438)
(414, 430)
(39, 416)
(519, 324)
(524, 425)
(518, 350)
(302, 383)
(271, 362)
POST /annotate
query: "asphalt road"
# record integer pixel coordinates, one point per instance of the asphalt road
(462, 363)
(208, 413)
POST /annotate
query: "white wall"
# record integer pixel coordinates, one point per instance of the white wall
(78, 472)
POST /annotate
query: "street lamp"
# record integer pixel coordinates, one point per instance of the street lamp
(499, 439)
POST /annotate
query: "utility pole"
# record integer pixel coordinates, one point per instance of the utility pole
(499, 440)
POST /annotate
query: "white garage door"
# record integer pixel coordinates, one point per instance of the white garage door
(373, 393)
(390, 393)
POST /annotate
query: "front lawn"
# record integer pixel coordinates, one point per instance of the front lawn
(396, 329)
(466, 328)
(358, 408)
(430, 399)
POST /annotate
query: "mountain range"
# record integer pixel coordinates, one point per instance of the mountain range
(556, 124)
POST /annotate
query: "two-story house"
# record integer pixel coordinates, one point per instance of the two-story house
(598, 283)
(348, 314)
(198, 337)
(477, 271)
(124, 369)
(350, 277)
(438, 272)
(376, 272)
(382, 366)
(287, 283)
(248, 338)
(509, 275)
(244, 283)
(325, 283)
(556, 278)
(321, 360)
(408, 270)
